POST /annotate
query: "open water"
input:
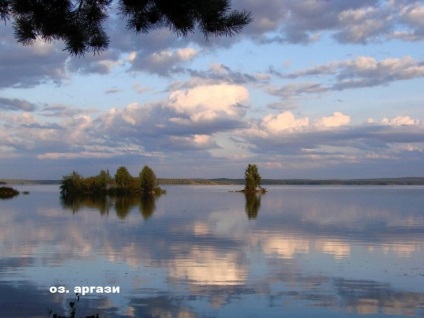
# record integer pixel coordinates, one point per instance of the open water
(203, 251)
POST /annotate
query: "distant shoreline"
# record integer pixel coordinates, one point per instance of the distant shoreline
(227, 181)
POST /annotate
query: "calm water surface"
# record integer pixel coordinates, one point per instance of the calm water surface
(206, 252)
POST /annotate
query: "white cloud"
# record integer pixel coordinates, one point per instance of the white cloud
(363, 71)
(95, 64)
(326, 142)
(186, 54)
(362, 24)
(285, 123)
(359, 21)
(414, 14)
(411, 14)
(384, 70)
(336, 120)
(401, 121)
(210, 102)
(220, 73)
(164, 62)
(41, 47)
(411, 147)
(29, 66)
(194, 142)
(167, 56)
(75, 155)
(131, 57)
(276, 124)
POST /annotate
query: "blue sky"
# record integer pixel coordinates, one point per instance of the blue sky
(310, 89)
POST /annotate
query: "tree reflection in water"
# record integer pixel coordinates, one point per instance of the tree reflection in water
(122, 204)
(148, 205)
(102, 203)
(253, 203)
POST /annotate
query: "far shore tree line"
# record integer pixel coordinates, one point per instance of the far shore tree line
(103, 183)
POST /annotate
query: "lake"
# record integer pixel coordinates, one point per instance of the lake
(203, 251)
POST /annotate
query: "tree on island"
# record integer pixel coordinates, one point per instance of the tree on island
(72, 183)
(148, 180)
(102, 181)
(124, 180)
(252, 180)
(8, 192)
(80, 23)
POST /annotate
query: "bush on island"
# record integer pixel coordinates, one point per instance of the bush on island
(8, 192)
(122, 183)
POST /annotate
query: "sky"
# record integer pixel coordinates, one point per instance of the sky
(309, 89)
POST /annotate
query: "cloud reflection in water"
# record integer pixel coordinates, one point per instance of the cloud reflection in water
(334, 251)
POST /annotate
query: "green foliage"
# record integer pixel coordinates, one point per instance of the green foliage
(252, 178)
(122, 183)
(72, 183)
(8, 192)
(102, 182)
(80, 23)
(124, 180)
(148, 180)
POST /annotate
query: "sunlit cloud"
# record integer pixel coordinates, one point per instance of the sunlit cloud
(245, 98)
(164, 62)
(364, 71)
(401, 121)
(338, 119)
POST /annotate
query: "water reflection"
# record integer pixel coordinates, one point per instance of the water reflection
(148, 205)
(253, 203)
(201, 266)
(102, 203)
(367, 297)
(310, 252)
(121, 204)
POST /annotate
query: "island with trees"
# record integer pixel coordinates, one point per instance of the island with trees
(252, 190)
(122, 183)
(8, 192)
(252, 180)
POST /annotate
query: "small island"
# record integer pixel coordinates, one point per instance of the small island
(8, 192)
(252, 180)
(122, 183)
